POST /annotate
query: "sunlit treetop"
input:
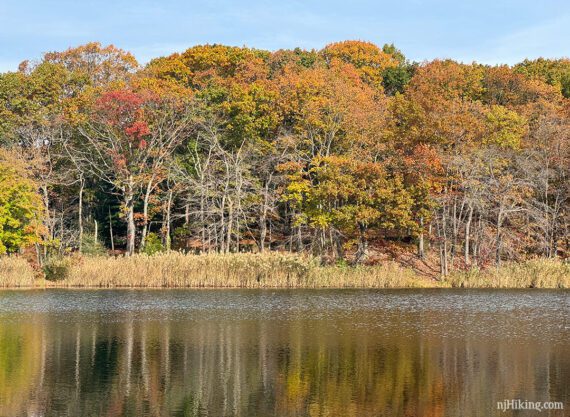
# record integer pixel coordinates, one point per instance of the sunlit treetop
(99, 64)
(368, 58)
(205, 61)
(555, 72)
(200, 65)
(447, 80)
(170, 68)
(528, 96)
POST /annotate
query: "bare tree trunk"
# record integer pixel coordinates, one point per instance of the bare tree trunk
(167, 221)
(130, 230)
(80, 211)
(445, 261)
(146, 199)
(362, 252)
(203, 221)
(209, 246)
(262, 229)
(130, 208)
(332, 243)
(498, 237)
(321, 234)
(48, 223)
(444, 268)
(338, 245)
(61, 229)
(289, 230)
(238, 235)
(498, 250)
(442, 259)
(263, 217)
(220, 239)
(111, 231)
(468, 235)
(421, 252)
(299, 239)
(455, 230)
(477, 242)
(229, 227)
(270, 235)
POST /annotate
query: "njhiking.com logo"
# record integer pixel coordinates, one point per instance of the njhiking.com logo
(539, 406)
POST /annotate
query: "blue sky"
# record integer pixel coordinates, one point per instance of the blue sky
(488, 31)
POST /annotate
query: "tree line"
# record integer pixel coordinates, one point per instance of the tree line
(338, 152)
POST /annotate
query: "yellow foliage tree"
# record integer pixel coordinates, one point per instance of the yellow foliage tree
(20, 207)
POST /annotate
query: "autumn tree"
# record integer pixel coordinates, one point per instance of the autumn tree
(234, 148)
(20, 206)
(555, 72)
(346, 199)
(331, 111)
(94, 64)
(369, 60)
(129, 134)
(396, 78)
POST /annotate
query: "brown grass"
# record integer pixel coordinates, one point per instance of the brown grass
(388, 275)
(15, 272)
(535, 273)
(270, 270)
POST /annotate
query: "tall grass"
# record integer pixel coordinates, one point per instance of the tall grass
(270, 270)
(15, 272)
(387, 275)
(534, 273)
(175, 269)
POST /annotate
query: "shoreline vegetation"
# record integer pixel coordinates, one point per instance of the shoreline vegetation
(344, 167)
(268, 270)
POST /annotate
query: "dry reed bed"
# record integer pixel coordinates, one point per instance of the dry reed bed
(535, 273)
(270, 270)
(178, 270)
(16, 272)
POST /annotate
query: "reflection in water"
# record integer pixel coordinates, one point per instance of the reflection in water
(298, 353)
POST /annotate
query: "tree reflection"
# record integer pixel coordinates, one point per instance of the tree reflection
(297, 367)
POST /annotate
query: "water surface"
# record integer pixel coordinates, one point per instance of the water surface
(282, 353)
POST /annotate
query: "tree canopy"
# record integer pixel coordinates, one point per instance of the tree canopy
(342, 151)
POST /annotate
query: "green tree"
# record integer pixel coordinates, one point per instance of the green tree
(352, 197)
(20, 207)
(555, 72)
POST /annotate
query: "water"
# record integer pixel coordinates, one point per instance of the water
(282, 353)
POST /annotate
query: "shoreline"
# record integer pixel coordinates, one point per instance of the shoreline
(273, 270)
(266, 288)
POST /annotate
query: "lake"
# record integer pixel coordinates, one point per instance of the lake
(282, 352)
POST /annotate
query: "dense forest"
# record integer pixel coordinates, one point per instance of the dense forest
(344, 152)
